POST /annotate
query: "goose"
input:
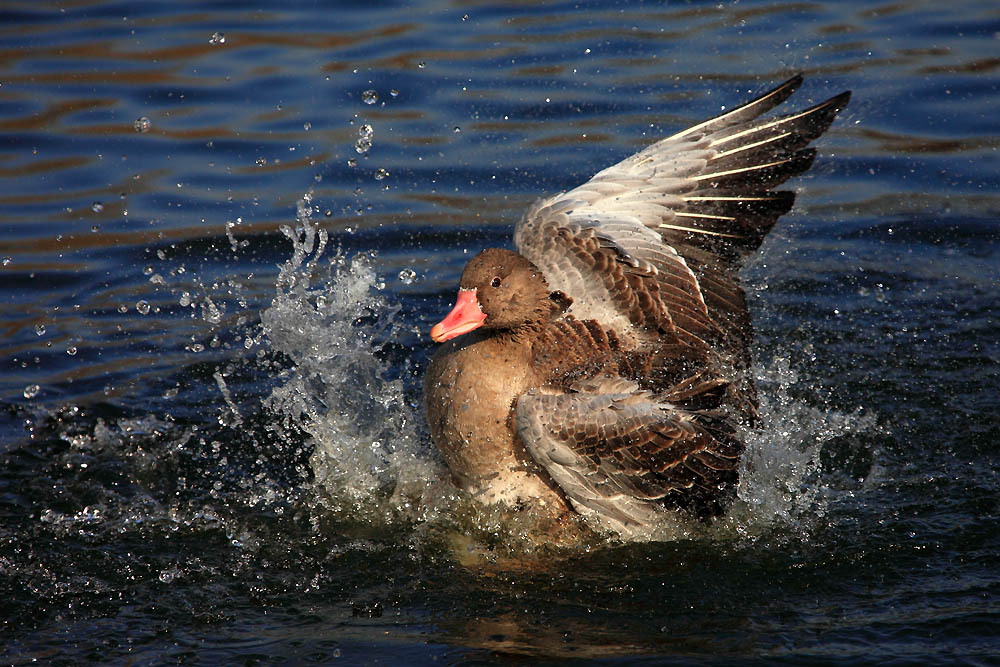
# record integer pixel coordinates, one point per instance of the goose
(603, 369)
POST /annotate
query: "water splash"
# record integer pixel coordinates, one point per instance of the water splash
(784, 488)
(329, 320)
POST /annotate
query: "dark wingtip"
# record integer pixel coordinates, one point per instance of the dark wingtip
(842, 99)
(838, 102)
(801, 161)
(794, 81)
(780, 93)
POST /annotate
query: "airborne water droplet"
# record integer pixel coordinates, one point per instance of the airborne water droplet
(97, 207)
(380, 174)
(32, 390)
(407, 276)
(369, 97)
(217, 38)
(142, 306)
(142, 124)
(364, 141)
(39, 329)
(71, 350)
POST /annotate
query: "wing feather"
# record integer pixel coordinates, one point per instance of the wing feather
(670, 225)
(619, 453)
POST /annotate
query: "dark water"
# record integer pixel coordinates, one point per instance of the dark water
(213, 448)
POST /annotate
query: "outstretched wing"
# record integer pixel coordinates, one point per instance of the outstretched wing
(653, 242)
(617, 452)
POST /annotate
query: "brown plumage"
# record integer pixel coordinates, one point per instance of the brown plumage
(604, 367)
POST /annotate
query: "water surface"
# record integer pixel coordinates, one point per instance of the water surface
(221, 254)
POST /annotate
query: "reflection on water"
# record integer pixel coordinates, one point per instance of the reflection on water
(213, 440)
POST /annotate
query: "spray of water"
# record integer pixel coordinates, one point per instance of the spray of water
(783, 486)
(330, 322)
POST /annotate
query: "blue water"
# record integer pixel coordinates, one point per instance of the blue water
(212, 440)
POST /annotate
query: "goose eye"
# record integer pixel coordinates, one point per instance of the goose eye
(495, 282)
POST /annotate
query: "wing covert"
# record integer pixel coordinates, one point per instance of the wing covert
(618, 453)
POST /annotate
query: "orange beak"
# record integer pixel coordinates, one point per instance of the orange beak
(463, 318)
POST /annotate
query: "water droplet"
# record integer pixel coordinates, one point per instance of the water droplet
(142, 306)
(123, 308)
(407, 276)
(261, 161)
(97, 207)
(217, 38)
(142, 124)
(352, 162)
(421, 64)
(380, 174)
(457, 129)
(147, 270)
(307, 126)
(39, 329)
(7, 260)
(366, 131)
(32, 390)
(394, 93)
(362, 145)
(185, 300)
(71, 350)
(369, 97)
